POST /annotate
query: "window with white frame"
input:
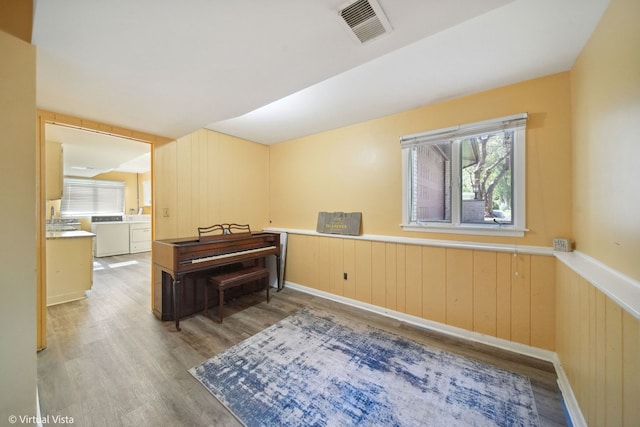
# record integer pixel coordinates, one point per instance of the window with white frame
(86, 197)
(466, 179)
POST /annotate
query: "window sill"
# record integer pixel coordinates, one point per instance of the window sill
(497, 230)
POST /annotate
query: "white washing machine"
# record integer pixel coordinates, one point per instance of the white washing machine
(112, 236)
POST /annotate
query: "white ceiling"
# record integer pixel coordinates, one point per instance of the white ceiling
(269, 71)
(87, 154)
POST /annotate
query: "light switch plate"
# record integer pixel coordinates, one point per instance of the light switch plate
(563, 245)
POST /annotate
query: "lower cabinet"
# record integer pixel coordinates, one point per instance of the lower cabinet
(69, 268)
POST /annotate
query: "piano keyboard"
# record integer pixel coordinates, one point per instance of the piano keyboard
(230, 254)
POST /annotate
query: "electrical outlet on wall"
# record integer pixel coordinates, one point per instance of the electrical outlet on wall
(562, 245)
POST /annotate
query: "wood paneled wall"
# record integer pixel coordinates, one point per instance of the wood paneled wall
(605, 100)
(206, 178)
(504, 295)
(16, 18)
(599, 345)
(18, 263)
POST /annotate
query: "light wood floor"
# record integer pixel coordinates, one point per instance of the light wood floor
(110, 362)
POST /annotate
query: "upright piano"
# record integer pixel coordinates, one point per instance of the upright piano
(178, 263)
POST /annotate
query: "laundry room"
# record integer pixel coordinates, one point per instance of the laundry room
(98, 205)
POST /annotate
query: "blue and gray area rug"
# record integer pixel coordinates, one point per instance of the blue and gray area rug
(317, 369)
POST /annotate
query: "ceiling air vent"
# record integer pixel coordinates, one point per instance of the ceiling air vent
(366, 20)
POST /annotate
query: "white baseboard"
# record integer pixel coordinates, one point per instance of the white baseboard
(38, 413)
(68, 297)
(570, 400)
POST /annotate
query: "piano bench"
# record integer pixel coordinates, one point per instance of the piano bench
(232, 279)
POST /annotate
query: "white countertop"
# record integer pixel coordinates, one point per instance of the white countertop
(68, 234)
(127, 221)
(109, 222)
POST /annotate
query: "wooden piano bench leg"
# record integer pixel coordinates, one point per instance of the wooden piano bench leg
(221, 304)
(237, 278)
(266, 286)
(206, 300)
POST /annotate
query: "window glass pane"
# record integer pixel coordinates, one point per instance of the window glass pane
(468, 178)
(431, 182)
(487, 177)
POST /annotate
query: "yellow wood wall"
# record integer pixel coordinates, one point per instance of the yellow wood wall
(358, 168)
(605, 87)
(498, 294)
(598, 344)
(16, 18)
(206, 178)
(597, 341)
(18, 257)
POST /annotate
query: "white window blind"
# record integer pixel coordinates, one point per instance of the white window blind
(86, 197)
(466, 130)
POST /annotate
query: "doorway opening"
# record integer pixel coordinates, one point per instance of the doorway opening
(75, 155)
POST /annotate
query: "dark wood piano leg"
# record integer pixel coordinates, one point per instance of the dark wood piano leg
(176, 303)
